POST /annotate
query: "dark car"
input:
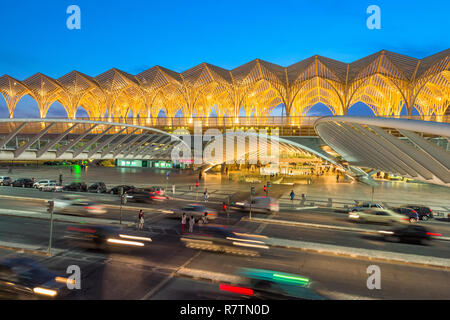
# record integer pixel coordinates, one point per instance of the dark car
(424, 212)
(76, 186)
(410, 213)
(24, 278)
(104, 237)
(144, 195)
(5, 181)
(98, 187)
(22, 182)
(410, 233)
(126, 189)
(224, 239)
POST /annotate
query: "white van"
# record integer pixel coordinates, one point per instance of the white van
(43, 183)
(260, 204)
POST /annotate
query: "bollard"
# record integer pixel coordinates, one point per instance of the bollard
(330, 203)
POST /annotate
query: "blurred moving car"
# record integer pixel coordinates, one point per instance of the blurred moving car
(225, 240)
(5, 181)
(144, 195)
(158, 190)
(410, 213)
(378, 216)
(103, 237)
(410, 233)
(366, 205)
(22, 182)
(272, 285)
(42, 183)
(53, 187)
(196, 210)
(126, 189)
(98, 187)
(259, 204)
(24, 278)
(76, 186)
(74, 205)
(424, 212)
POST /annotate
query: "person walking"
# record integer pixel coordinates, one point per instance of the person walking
(206, 195)
(337, 178)
(292, 195)
(183, 222)
(141, 219)
(191, 224)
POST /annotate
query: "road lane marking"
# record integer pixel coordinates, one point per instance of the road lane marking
(165, 281)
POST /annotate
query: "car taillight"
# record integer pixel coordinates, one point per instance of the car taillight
(414, 211)
(81, 229)
(431, 212)
(234, 289)
(434, 234)
(407, 219)
(91, 208)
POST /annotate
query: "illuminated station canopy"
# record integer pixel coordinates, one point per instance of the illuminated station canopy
(385, 81)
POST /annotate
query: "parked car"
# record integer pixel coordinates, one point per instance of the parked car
(424, 212)
(74, 205)
(42, 183)
(22, 182)
(366, 205)
(76, 186)
(98, 187)
(410, 233)
(116, 189)
(378, 216)
(53, 187)
(5, 181)
(410, 213)
(24, 278)
(259, 204)
(196, 210)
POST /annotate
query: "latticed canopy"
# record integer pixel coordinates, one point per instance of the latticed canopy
(385, 81)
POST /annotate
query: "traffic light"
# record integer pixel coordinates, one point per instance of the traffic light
(252, 190)
(265, 189)
(268, 184)
(50, 206)
(196, 184)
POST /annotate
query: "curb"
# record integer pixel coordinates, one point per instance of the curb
(319, 226)
(443, 266)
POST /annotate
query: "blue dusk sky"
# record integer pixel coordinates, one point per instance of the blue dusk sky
(136, 35)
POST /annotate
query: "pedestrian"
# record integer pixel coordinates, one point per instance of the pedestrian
(205, 217)
(141, 219)
(60, 179)
(191, 224)
(292, 195)
(200, 176)
(206, 195)
(337, 178)
(183, 222)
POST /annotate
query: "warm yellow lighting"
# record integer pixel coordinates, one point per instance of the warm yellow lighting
(130, 243)
(45, 292)
(134, 237)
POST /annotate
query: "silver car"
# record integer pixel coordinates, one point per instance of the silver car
(378, 216)
(366, 205)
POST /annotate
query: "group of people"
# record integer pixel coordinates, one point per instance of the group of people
(184, 220)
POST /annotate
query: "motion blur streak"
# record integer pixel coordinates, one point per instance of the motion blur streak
(134, 237)
(131, 243)
(239, 290)
(64, 280)
(46, 292)
(250, 235)
(291, 279)
(249, 245)
(245, 240)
